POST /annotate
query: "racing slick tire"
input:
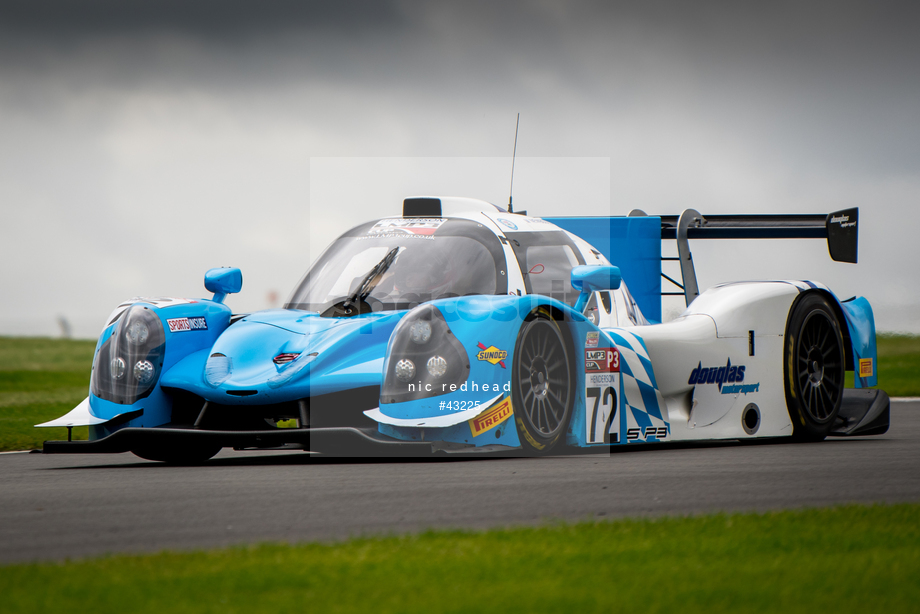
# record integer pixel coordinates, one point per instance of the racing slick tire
(542, 386)
(813, 367)
(178, 456)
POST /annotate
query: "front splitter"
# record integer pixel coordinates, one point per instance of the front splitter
(347, 441)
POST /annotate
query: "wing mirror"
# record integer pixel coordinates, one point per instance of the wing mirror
(588, 279)
(223, 282)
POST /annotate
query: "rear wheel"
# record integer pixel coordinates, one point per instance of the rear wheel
(814, 367)
(178, 456)
(542, 390)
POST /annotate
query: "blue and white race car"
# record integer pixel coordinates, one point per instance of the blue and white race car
(462, 327)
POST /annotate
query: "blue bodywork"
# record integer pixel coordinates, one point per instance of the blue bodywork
(861, 326)
(631, 243)
(349, 355)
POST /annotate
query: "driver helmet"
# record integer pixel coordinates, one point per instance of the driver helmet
(422, 272)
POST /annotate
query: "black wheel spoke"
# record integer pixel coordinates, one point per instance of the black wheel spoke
(551, 417)
(528, 392)
(559, 401)
(556, 366)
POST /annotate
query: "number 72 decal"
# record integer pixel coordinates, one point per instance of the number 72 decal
(601, 405)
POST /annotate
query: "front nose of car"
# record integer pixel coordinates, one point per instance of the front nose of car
(280, 357)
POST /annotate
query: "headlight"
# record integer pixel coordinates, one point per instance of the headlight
(405, 370)
(137, 345)
(118, 368)
(420, 331)
(423, 338)
(137, 332)
(217, 369)
(437, 366)
(143, 371)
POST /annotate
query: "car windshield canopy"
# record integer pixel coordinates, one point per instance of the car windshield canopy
(434, 258)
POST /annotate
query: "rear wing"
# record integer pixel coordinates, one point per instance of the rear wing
(631, 242)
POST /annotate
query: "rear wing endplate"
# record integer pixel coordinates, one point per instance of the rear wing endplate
(839, 228)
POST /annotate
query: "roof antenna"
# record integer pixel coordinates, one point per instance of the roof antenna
(513, 154)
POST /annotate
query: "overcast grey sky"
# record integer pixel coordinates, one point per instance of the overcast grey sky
(145, 142)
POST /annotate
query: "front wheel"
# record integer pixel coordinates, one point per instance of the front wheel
(813, 368)
(542, 389)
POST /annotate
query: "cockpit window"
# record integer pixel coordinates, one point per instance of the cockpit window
(547, 260)
(434, 258)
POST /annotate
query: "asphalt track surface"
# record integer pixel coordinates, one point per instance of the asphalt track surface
(54, 507)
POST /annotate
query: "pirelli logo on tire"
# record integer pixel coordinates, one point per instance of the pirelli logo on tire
(491, 418)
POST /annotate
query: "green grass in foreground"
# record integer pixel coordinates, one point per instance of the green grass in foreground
(42, 379)
(844, 559)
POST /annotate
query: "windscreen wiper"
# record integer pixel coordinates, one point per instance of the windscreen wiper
(365, 287)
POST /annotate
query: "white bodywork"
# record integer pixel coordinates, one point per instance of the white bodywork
(433, 421)
(714, 331)
(78, 416)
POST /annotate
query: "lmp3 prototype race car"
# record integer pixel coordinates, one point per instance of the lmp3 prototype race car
(462, 327)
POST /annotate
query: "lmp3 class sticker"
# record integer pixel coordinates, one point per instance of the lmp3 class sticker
(602, 360)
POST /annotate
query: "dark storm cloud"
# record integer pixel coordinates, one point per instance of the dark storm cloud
(839, 78)
(203, 17)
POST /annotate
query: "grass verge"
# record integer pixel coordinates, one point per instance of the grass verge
(843, 559)
(40, 379)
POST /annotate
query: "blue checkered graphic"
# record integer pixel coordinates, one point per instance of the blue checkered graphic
(640, 390)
